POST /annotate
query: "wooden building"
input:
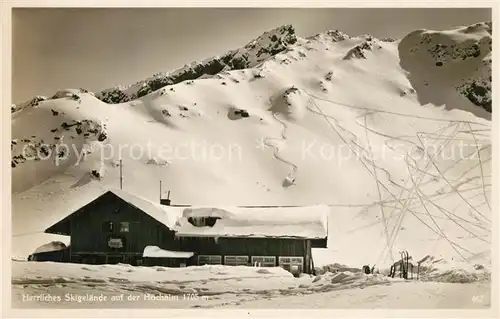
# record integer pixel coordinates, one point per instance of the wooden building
(116, 227)
(254, 236)
(119, 227)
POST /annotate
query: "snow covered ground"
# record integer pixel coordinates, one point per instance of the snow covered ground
(53, 285)
(386, 134)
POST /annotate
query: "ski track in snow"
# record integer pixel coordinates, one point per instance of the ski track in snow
(417, 185)
(276, 149)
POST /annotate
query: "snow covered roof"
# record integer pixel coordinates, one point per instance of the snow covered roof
(155, 210)
(290, 222)
(157, 252)
(159, 212)
(52, 246)
(286, 222)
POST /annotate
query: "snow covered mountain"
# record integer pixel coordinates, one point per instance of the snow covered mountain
(458, 59)
(394, 135)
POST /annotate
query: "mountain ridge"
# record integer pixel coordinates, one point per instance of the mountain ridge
(476, 89)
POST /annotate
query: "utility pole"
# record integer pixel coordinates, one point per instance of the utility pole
(121, 174)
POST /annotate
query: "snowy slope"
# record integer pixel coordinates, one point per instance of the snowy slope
(60, 286)
(331, 119)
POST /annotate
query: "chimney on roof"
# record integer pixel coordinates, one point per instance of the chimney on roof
(165, 201)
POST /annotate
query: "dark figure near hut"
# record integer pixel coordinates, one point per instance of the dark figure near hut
(366, 269)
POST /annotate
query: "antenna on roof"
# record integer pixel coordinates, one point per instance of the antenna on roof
(121, 174)
(160, 190)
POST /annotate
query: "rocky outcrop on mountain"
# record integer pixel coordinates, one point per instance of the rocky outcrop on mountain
(459, 59)
(478, 88)
(256, 51)
(40, 148)
(69, 93)
(359, 51)
(31, 103)
(330, 36)
(115, 95)
(388, 40)
(73, 94)
(292, 104)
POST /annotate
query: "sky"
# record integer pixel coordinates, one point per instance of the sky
(92, 48)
